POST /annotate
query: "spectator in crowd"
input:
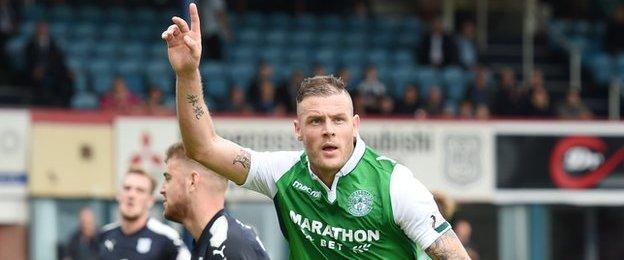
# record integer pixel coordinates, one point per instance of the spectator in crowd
(386, 106)
(573, 107)
(120, 99)
(466, 45)
(83, 244)
(437, 48)
(409, 102)
(49, 77)
(238, 102)
(287, 92)
(463, 229)
(539, 105)
(215, 29)
(155, 102)
(318, 70)
(266, 101)
(8, 25)
(614, 41)
(434, 105)
(371, 89)
(345, 75)
(479, 92)
(466, 110)
(510, 98)
(537, 80)
(264, 72)
(482, 112)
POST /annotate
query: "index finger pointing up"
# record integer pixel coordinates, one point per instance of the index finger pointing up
(194, 18)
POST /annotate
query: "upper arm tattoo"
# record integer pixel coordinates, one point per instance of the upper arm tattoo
(244, 158)
(197, 109)
(447, 246)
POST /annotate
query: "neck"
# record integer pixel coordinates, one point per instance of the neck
(202, 212)
(132, 226)
(326, 177)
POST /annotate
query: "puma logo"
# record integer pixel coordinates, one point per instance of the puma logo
(434, 221)
(220, 252)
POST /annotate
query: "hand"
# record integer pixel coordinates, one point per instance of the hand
(184, 43)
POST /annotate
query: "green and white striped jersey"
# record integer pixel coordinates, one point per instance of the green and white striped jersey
(375, 208)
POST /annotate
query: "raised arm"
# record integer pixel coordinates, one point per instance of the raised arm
(200, 139)
(447, 246)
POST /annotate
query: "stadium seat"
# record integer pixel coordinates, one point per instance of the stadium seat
(250, 37)
(325, 55)
(401, 76)
(27, 28)
(454, 83)
(244, 54)
(112, 31)
(144, 16)
(411, 25)
(212, 70)
(61, 13)
(33, 12)
(332, 22)
(408, 40)
(106, 49)
(101, 74)
(356, 24)
(157, 51)
(119, 15)
(15, 49)
(378, 56)
(403, 57)
(273, 54)
(355, 40)
(91, 14)
(353, 57)
(60, 30)
(601, 66)
(241, 73)
(217, 89)
(387, 25)
(254, 21)
(84, 100)
(302, 38)
(80, 49)
(297, 55)
(84, 31)
(80, 80)
(133, 50)
(426, 78)
(305, 22)
(328, 39)
(279, 21)
(384, 39)
(276, 38)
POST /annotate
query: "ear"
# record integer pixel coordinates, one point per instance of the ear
(193, 181)
(356, 125)
(298, 133)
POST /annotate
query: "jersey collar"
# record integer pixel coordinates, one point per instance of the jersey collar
(357, 154)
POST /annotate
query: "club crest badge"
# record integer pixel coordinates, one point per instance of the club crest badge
(360, 203)
(144, 245)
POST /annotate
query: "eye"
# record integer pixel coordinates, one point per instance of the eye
(315, 121)
(339, 120)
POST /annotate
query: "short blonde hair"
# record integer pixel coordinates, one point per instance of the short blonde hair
(141, 172)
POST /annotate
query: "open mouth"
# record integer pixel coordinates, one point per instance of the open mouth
(329, 148)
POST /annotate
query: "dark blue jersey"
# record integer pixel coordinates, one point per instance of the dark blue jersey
(224, 237)
(154, 241)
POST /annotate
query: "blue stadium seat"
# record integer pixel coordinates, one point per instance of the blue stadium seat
(408, 40)
(84, 31)
(379, 57)
(305, 22)
(250, 37)
(387, 25)
(101, 73)
(426, 78)
(332, 22)
(329, 39)
(244, 54)
(355, 40)
(302, 38)
(581, 27)
(80, 49)
(297, 55)
(212, 70)
(27, 28)
(60, 30)
(133, 50)
(273, 54)
(157, 51)
(326, 56)
(353, 57)
(144, 16)
(106, 49)
(15, 49)
(601, 66)
(411, 25)
(276, 38)
(159, 73)
(91, 14)
(118, 14)
(454, 83)
(357, 24)
(112, 31)
(216, 88)
(254, 21)
(33, 12)
(80, 80)
(241, 73)
(401, 76)
(61, 13)
(280, 21)
(404, 57)
(84, 100)
(384, 39)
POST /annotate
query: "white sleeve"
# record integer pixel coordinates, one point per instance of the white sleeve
(414, 209)
(267, 168)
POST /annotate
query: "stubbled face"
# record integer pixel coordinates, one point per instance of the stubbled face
(135, 198)
(176, 199)
(327, 127)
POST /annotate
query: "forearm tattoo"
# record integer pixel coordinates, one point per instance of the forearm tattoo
(244, 158)
(197, 108)
(447, 246)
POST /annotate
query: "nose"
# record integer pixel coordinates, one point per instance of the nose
(328, 129)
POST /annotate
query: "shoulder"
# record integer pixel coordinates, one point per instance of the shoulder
(163, 230)
(110, 227)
